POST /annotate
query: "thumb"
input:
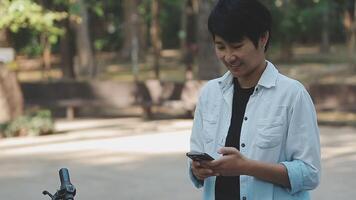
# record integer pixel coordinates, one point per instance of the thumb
(227, 150)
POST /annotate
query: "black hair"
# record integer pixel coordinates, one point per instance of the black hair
(233, 20)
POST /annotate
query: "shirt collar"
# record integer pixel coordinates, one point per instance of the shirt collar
(268, 78)
(226, 81)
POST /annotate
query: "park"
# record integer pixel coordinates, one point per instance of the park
(108, 89)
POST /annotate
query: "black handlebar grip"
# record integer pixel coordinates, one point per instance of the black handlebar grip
(64, 177)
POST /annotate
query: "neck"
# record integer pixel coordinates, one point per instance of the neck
(252, 79)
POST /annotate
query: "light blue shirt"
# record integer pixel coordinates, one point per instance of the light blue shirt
(280, 126)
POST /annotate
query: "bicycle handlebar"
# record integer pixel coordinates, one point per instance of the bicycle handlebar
(66, 191)
(64, 177)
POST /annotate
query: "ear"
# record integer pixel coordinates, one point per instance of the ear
(264, 38)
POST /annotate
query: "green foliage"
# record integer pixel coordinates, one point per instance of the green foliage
(171, 22)
(32, 124)
(26, 42)
(106, 30)
(301, 20)
(32, 50)
(20, 14)
(294, 21)
(98, 8)
(99, 44)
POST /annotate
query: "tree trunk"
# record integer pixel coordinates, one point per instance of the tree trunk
(188, 23)
(156, 36)
(67, 53)
(85, 61)
(4, 39)
(11, 99)
(188, 42)
(183, 26)
(325, 36)
(46, 56)
(353, 38)
(350, 27)
(208, 64)
(133, 26)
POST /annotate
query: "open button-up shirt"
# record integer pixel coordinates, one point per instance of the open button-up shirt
(279, 126)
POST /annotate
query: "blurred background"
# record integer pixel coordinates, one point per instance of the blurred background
(111, 86)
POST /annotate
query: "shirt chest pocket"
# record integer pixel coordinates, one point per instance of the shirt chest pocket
(270, 132)
(210, 123)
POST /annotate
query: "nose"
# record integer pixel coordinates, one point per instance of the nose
(230, 58)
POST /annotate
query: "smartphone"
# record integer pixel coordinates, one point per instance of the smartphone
(199, 156)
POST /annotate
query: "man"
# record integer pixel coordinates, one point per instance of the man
(259, 125)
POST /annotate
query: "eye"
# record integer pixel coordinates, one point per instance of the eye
(219, 47)
(236, 46)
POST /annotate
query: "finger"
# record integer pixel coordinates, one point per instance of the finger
(205, 164)
(197, 175)
(196, 164)
(205, 173)
(227, 150)
(213, 164)
(202, 173)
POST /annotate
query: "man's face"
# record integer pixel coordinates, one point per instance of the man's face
(241, 58)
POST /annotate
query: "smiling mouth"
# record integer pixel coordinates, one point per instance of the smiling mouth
(237, 65)
(234, 64)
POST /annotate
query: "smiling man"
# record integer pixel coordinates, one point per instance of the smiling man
(259, 125)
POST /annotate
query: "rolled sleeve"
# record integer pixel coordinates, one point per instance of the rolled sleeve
(301, 176)
(197, 183)
(303, 146)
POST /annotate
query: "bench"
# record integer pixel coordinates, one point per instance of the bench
(72, 104)
(113, 95)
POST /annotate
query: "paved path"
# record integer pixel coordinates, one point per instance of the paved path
(130, 159)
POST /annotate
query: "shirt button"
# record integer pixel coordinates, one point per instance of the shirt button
(243, 145)
(245, 118)
(244, 198)
(256, 89)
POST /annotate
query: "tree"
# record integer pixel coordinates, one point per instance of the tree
(11, 99)
(298, 21)
(134, 29)
(208, 64)
(350, 25)
(85, 66)
(20, 14)
(325, 33)
(188, 35)
(156, 35)
(67, 51)
(4, 40)
(16, 15)
(286, 26)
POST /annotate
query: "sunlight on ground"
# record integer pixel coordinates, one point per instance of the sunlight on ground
(100, 142)
(338, 146)
(105, 141)
(149, 143)
(131, 158)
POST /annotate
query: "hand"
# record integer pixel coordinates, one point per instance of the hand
(232, 163)
(201, 170)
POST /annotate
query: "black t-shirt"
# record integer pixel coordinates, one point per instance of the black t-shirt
(228, 187)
